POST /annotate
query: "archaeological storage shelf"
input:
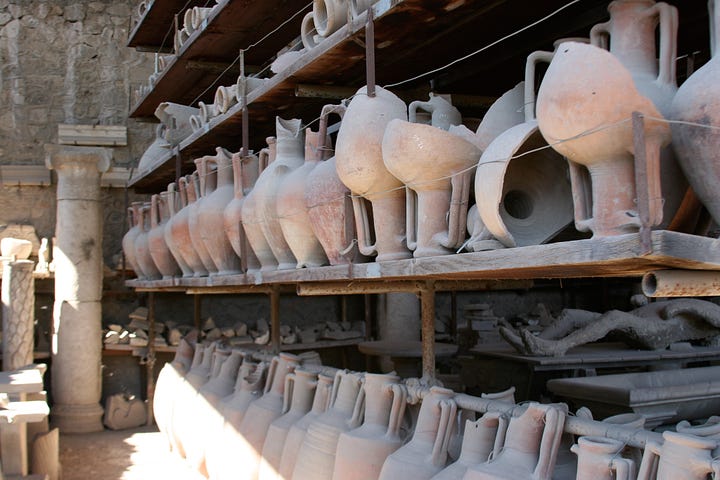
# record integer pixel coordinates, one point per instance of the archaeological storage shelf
(411, 37)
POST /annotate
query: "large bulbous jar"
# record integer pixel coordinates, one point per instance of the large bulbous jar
(680, 456)
(174, 204)
(253, 217)
(142, 246)
(204, 180)
(159, 250)
(128, 241)
(245, 173)
(179, 228)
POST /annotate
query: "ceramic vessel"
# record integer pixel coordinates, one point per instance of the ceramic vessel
(226, 97)
(252, 214)
(159, 250)
(207, 112)
(711, 428)
(329, 206)
(299, 392)
(128, 241)
(245, 173)
(179, 228)
(176, 119)
(583, 79)
(174, 204)
(360, 166)
(142, 248)
(329, 15)
(361, 452)
(599, 459)
(211, 220)
(426, 453)
(359, 6)
(522, 188)
(170, 377)
(157, 150)
(260, 414)
(316, 458)
(203, 181)
(297, 431)
(482, 438)
(680, 456)
(293, 213)
(435, 166)
(530, 448)
(308, 34)
(698, 101)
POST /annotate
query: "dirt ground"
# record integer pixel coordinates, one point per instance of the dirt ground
(137, 454)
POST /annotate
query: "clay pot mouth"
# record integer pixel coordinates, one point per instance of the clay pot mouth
(689, 440)
(601, 443)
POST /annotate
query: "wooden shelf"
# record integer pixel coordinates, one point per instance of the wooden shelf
(601, 257)
(216, 45)
(149, 33)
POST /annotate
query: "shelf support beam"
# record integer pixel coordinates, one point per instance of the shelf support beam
(274, 294)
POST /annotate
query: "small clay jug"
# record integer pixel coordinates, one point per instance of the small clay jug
(174, 204)
(245, 173)
(253, 216)
(329, 205)
(180, 227)
(361, 452)
(680, 456)
(297, 431)
(442, 113)
(142, 246)
(128, 241)
(531, 446)
(159, 250)
(427, 451)
(316, 458)
(299, 392)
(211, 219)
(293, 213)
(599, 459)
(203, 181)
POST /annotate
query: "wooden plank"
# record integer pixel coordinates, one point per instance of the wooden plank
(152, 27)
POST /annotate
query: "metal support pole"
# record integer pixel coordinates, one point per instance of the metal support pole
(427, 315)
(245, 114)
(370, 52)
(453, 315)
(641, 183)
(150, 359)
(178, 165)
(275, 318)
(197, 310)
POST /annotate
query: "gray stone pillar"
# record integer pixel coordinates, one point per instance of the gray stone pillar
(76, 342)
(18, 311)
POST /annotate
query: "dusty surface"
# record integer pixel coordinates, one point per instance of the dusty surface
(137, 454)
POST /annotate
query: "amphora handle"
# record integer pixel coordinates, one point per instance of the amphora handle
(397, 410)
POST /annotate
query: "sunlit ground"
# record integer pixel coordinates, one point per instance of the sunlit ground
(137, 454)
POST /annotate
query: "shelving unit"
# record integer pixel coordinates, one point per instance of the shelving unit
(149, 33)
(411, 37)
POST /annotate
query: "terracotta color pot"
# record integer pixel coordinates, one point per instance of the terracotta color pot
(361, 452)
(360, 166)
(299, 392)
(174, 205)
(297, 431)
(159, 250)
(711, 428)
(245, 173)
(252, 215)
(128, 241)
(180, 228)
(203, 181)
(293, 213)
(170, 377)
(316, 458)
(680, 456)
(142, 247)
(599, 459)
(426, 452)
(698, 101)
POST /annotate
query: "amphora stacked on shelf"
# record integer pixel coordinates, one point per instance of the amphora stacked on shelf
(246, 169)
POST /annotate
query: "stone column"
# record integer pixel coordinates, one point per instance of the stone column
(18, 311)
(76, 341)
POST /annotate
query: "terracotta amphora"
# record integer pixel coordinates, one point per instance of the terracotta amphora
(329, 15)
(159, 250)
(329, 205)
(245, 173)
(219, 456)
(176, 119)
(426, 454)
(170, 376)
(361, 452)
(289, 156)
(128, 241)
(316, 458)
(631, 32)
(142, 247)
(260, 414)
(442, 113)
(157, 150)
(297, 431)
(293, 213)
(299, 392)
(360, 166)
(174, 204)
(531, 446)
(182, 389)
(680, 456)
(203, 182)
(599, 459)
(525, 200)
(698, 101)
(180, 228)
(482, 438)
(252, 214)
(211, 220)
(584, 109)
(435, 166)
(710, 429)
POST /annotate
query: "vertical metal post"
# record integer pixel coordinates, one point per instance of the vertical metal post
(176, 23)
(641, 183)
(178, 165)
(245, 114)
(367, 298)
(275, 318)
(150, 359)
(453, 315)
(427, 315)
(370, 52)
(197, 310)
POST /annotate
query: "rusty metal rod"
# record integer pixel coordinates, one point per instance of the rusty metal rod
(642, 192)
(681, 283)
(150, 361)
(370, 52)
(275, 318)
(427, 317)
